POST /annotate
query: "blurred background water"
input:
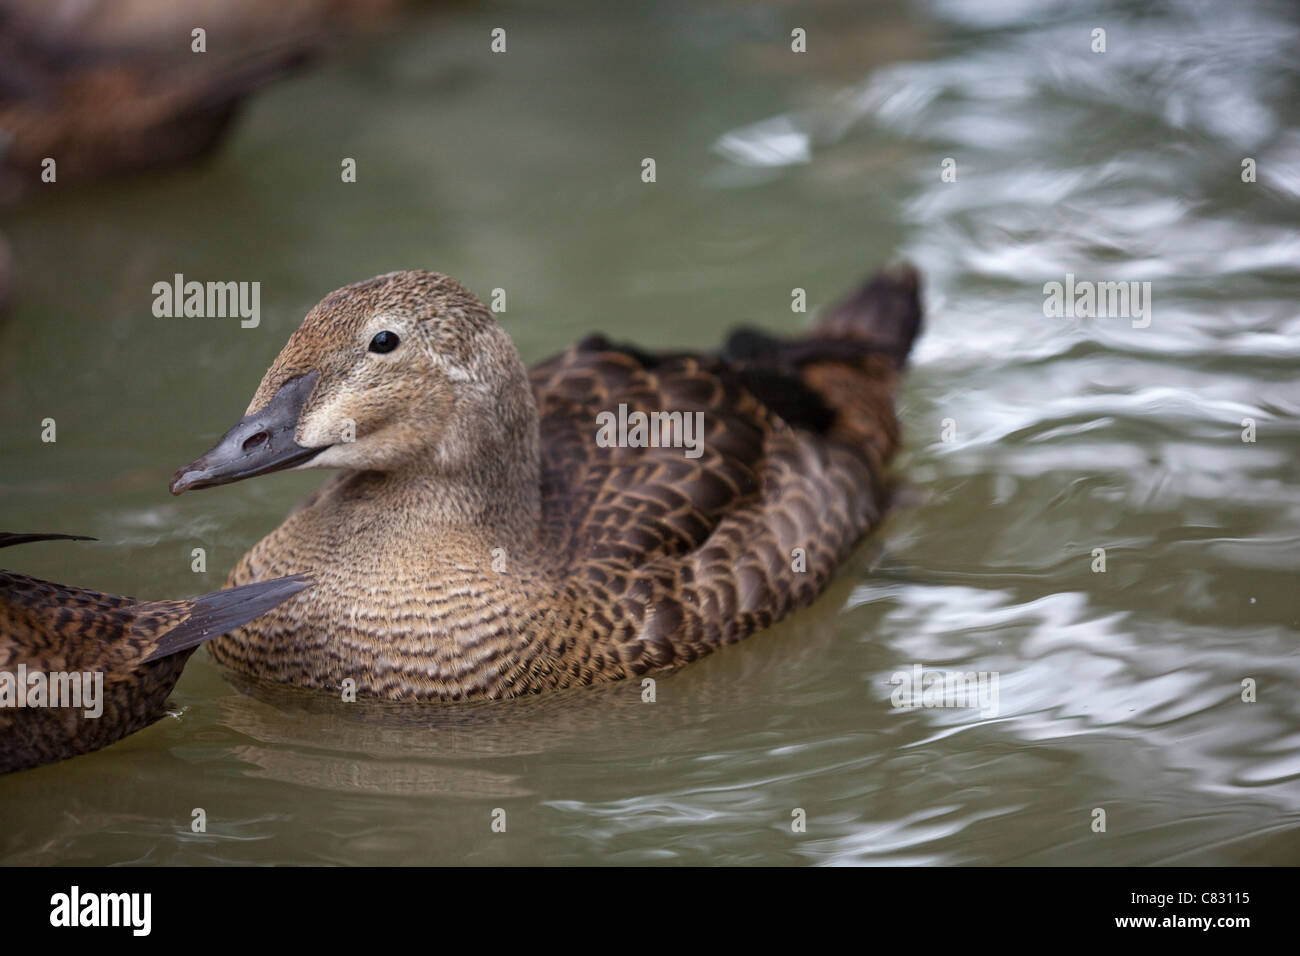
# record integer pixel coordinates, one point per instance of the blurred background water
(1119, 690)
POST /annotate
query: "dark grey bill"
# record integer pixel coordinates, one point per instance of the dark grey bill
(262, 442)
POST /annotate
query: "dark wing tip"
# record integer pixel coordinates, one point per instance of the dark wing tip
(8, 538)
(214, 614)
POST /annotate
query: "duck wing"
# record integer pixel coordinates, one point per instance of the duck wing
(625, 504)
(58, 627)
(210, 615)
(138, 647)
(677, 554)
(10, 538)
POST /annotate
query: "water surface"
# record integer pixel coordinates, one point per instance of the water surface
(1119, 690)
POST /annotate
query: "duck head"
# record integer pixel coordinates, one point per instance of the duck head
(404, 370)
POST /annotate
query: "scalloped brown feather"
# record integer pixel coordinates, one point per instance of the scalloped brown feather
(641, 560)
(139, 647)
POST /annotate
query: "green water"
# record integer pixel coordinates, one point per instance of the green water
(1119, 691)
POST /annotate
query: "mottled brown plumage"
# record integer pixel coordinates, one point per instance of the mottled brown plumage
(139, 648)
(107, 86)
(481, 543)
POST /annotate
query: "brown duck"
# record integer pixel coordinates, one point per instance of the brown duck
(137, 648)
(103, 86)
(486, 538)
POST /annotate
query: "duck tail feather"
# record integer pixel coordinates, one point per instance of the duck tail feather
(214, 614)
(883, 313)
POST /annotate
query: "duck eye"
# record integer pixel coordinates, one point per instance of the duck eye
(384, 342)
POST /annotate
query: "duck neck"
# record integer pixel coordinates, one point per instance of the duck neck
(492, 502)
